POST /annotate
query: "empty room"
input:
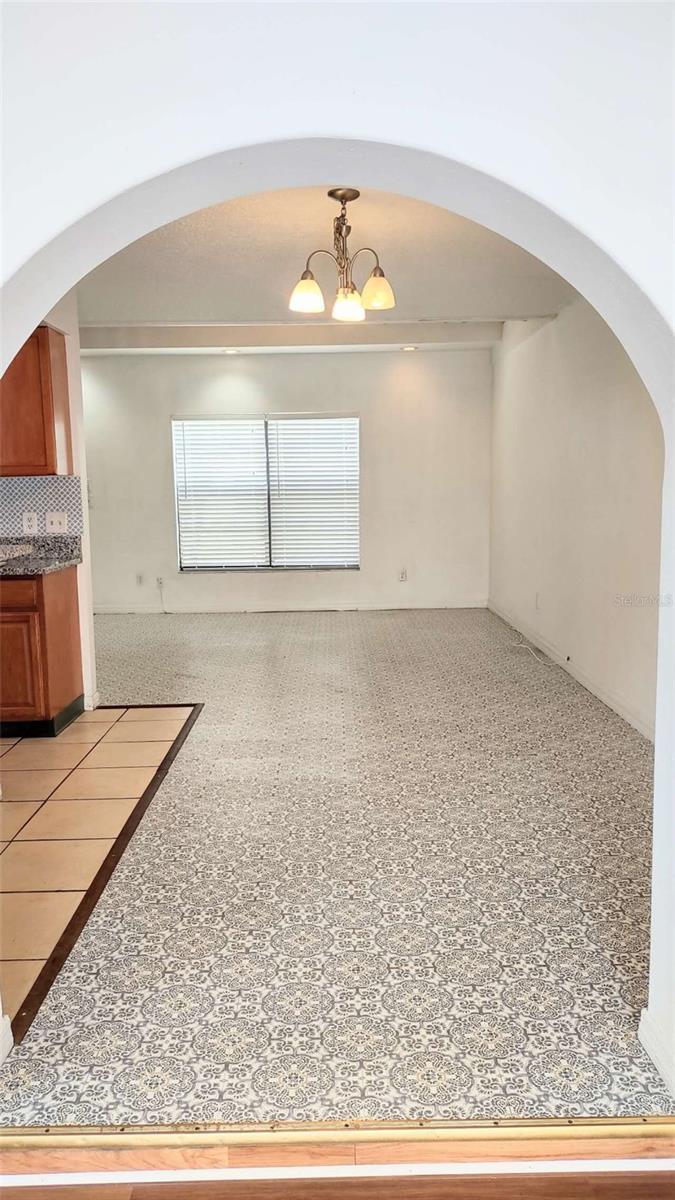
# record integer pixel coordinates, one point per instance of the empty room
(405, 564)
(334, 662)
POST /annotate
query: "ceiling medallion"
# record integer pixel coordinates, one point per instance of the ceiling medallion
(349, 304)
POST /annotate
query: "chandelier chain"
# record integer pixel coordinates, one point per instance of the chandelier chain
(341, 231)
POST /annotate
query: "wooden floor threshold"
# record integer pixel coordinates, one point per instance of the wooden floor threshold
(370, 1145)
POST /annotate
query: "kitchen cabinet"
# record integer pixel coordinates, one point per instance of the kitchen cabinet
(40, 667)
(35, 434)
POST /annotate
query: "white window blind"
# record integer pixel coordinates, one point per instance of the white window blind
(221, 493)
(281, 492)
(314, 491)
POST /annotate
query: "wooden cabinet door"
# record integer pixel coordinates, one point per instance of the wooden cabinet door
(34, 412)
(60, 632)
(21, 676)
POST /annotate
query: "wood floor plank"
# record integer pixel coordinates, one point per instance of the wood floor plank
(141, 1158)
(85, 1191)
(498, 1151)
(659, 1185)
(632, 1186)
(52, 1159)
(315, 1154)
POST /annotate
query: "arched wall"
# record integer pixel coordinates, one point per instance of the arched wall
(635, 320)
(58, 266)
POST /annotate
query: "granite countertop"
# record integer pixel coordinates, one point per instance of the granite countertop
(39, 555)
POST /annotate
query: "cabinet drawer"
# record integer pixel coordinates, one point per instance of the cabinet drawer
(21, 678)
(21, 593)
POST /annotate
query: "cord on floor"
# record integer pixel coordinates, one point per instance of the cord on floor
(523, 645)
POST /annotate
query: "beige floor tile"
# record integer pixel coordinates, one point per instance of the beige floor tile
(127, 754)
(16, 980)
(165, 713)
(99, 714)
(78, 819)
(144, 731)
(29, 785)
(48, 754)
(87, 733)
(105, 783)
(31, 923)
(51, 866)
(13, 816)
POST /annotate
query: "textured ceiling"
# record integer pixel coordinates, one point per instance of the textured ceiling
(237, 262)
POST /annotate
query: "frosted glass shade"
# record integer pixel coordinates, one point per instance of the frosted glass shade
(307, 296)
(348, 306)
(378, 292)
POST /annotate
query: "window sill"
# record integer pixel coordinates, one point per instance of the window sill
(257, 570)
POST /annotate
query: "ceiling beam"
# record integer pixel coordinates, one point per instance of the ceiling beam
(284, 337)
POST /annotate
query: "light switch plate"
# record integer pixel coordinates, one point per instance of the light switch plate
(30, 522)
(56, 522)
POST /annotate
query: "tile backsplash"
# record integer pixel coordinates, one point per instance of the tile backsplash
(39, 494)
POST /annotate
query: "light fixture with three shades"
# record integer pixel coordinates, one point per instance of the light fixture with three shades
(349, 304)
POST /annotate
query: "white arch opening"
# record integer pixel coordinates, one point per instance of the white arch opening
(639, 326)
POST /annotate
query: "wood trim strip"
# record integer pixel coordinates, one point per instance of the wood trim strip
(29, 1009)
(307, 1154)
(316, 1154)
(560, 1130)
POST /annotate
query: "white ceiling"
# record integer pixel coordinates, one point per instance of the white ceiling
(237, 262)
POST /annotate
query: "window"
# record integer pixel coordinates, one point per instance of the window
(221, 493)
(280, 492)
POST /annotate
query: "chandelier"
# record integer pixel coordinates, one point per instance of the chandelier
(349, 304)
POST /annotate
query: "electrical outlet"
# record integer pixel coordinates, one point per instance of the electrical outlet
(139, 580)
(56, 522)
(403, 575)
(30, 522)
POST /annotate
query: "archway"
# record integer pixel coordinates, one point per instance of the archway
(639, 326)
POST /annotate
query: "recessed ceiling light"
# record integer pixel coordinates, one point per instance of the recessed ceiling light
(408, 347)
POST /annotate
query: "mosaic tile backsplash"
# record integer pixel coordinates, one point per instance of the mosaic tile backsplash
(39, 494)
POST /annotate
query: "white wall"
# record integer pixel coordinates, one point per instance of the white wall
(577, 456)
(64, 316)
(425, 443)
(571, 103)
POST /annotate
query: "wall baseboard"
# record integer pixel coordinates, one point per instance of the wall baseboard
(659, 1048)
(141, 610)
(643, 725)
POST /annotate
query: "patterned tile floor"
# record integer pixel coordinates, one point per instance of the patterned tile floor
(399, 869)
